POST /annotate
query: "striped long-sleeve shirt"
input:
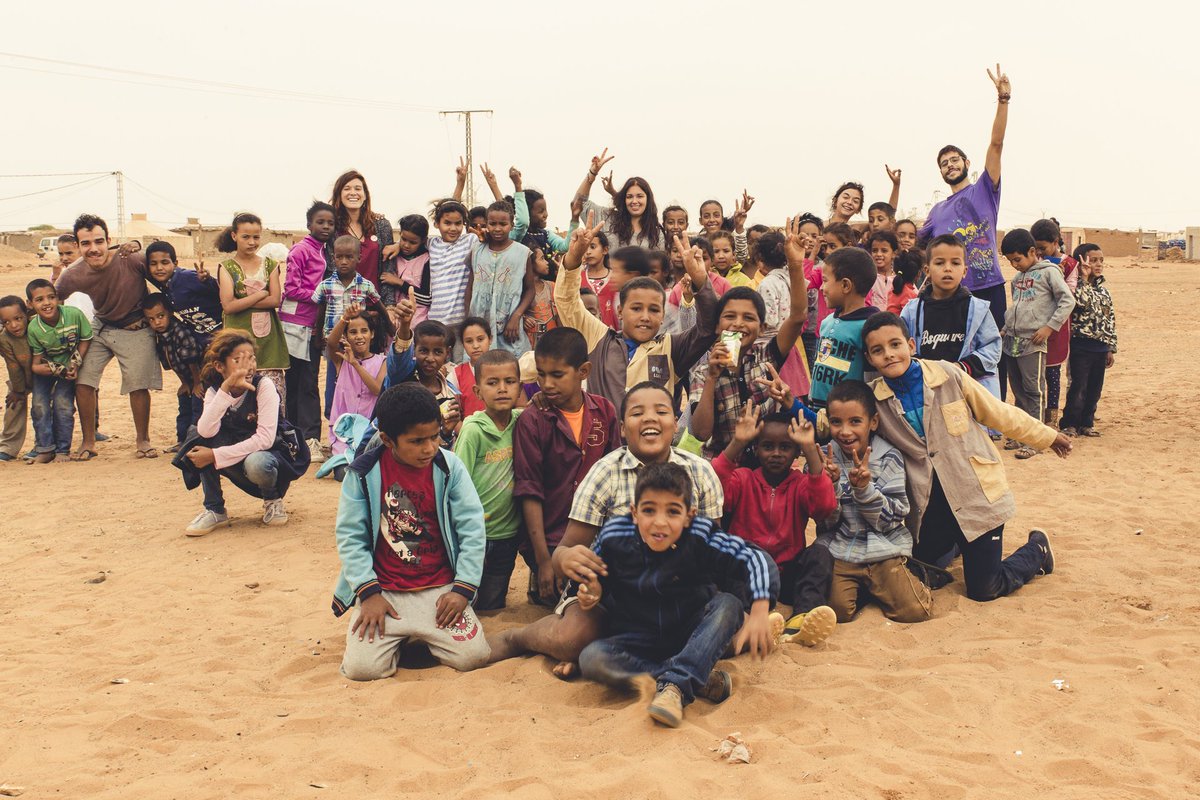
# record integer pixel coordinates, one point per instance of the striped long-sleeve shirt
(449, 276)
(649, 591)
(868, 526)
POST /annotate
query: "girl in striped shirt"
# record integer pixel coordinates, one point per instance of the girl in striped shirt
(449, 274)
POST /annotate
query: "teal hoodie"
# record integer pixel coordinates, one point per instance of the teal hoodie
(460, 517)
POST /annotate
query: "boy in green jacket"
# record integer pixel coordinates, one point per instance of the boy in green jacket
(485, 445)
(933, 413)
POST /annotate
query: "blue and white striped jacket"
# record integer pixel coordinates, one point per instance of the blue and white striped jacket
(653, 592)
(868, 526)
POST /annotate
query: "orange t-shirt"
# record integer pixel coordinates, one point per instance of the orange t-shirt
(575, 420)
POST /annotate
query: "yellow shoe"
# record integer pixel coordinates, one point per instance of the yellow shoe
(778, 625)
(811, 628)
(667, 706)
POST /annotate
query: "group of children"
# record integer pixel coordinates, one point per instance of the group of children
(637, 412)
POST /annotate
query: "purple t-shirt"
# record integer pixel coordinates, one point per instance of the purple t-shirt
(971, 216)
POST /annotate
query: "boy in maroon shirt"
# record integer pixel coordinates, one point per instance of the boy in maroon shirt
(770, 507)
(553, 450)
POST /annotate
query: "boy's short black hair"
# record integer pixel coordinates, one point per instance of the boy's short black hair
(703, 243)
(1019, 241)
(660, 258)
(945, 240)
(758, 227)
(641, 282)
(496, 358)
(434, 329)
(477, 211)
(744, 293)
(161, 247)
(478, 322)
(1080, 254)
(346, 238)
(37, 283)
(950, 149)
(777, 418)
(154, 300)
(85, 222)
(67, 238)
(853, 391)
(1046, 230)
(564, 344)
(665, 478)
(501, 206)
(855, 265)
(843, 232)
(883, 319)
(634, 259)
(886, 208)
(884, 236)
(316, 207)
(14, 300)
(404, 406)
(639, 387)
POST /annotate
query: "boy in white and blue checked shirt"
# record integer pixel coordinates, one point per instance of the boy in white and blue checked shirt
(345, 285)
(866, 534)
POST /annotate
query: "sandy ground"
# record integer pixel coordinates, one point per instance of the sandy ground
(231, 653)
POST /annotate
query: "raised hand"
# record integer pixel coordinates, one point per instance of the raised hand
(794, 245)
(719, 358)
(460, 172)
(201, 272)
(802, 432)
(607, 183)
(749, 425)
(514, 175)
(488, 175)
(348, 352)
(599, 161)
(693, 264)
(238, 378)
(406, 308)
(860, 474)
(1001, 82)
(893, 175)
(352, 311)
(831, 466)
(747, 201)
(778, 391)
(576, 209)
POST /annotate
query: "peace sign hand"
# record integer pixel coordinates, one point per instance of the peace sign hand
(201, 272)
(607, 183)
(802, 432)
(831, 465)
(488, 175)
(794, 246)
(749, 425)
(1001, 82)
(580, 240)
(778, 391)
(894, 174)
(599, 161)
(860, 475)
(693, 264)
(460, 172)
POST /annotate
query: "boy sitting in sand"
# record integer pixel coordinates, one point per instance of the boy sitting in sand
(410, 536)
(673, 597)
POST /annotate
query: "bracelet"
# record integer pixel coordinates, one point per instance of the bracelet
(1004, 98)
(593, 174)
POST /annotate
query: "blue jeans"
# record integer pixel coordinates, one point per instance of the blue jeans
(260, 468)
(53, 406)
(190, 409)
(330, 385)
(683, 657)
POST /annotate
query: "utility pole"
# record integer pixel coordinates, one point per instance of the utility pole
(466, 115)
(120, 176)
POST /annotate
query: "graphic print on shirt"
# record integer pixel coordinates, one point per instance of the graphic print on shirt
(403, 528)
(975, 236)
(933, 341)
(1023, 287)
(834, 359)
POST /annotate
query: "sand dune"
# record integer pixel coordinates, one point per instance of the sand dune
(231, 653)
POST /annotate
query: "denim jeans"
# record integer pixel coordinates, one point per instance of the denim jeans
(499, 560)
(683, 657)
(190, 409)
(53, 406)
(987, 573)
(330, 385)
(260, 468)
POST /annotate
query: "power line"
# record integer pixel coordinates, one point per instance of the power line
(56, 188)
(155, 79)
(54, 174)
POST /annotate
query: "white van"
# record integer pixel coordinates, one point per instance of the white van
(48, 249)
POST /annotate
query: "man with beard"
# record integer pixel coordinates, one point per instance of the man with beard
(115, 280)
(970, 212)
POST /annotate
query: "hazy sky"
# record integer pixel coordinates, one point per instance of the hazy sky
(786, 99)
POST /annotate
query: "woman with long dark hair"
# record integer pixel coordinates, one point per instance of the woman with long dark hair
(633, 218)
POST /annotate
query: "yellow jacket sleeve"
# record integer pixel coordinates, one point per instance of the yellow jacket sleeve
(1000, 416)
(570, 307)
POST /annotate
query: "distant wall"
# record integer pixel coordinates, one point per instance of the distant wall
(1114, 243)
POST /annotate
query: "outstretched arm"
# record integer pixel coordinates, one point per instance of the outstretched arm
(999, 125)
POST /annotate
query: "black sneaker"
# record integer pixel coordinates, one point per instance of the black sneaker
(1038, 537)
(933, 577)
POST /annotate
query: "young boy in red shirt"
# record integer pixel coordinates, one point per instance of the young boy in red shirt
(770, 507)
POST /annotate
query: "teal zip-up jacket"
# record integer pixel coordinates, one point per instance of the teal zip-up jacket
(460, 517)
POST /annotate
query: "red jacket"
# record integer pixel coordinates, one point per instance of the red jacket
(773, 517)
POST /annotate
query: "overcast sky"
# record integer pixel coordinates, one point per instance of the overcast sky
(785, 99)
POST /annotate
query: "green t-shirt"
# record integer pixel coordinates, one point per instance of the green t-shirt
(57, 342)
(487, 453)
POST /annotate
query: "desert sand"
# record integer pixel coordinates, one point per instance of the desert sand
(231, 654)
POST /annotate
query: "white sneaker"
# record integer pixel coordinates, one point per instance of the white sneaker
(274, 513)
(205, 521)
(315, 451)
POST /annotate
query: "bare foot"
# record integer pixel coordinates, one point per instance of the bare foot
(566, 670)
(42, 458)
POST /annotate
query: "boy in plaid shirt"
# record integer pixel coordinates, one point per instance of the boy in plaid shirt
(179, 351)
(345, 286)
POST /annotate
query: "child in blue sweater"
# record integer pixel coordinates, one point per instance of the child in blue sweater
(410, 536)
(674, 594)
(847, 277)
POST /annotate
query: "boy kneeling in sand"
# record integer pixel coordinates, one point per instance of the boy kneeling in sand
(932, 412)
(674, 596)
(410, 536)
